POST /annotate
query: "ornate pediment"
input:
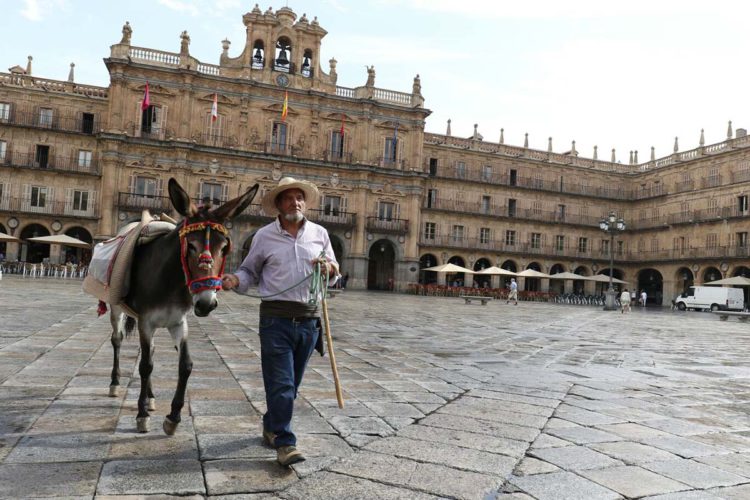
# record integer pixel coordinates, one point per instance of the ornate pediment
(276, 108)
(338, 117)
(390, 124)
(154, 88)
(221, 99)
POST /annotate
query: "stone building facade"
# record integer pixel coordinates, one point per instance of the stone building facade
(84, 160)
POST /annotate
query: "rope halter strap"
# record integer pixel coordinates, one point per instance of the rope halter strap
(205, 259)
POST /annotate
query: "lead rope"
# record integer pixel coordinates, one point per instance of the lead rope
(318, 284)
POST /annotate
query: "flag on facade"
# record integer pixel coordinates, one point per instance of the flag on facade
(146, 99)
(215, 108)
(342, 127)
(285, 107)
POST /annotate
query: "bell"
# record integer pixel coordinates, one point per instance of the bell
(258, 57)
(282, 59)
(306, 63)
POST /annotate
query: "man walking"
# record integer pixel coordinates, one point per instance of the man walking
(513, 295)
(643, 298)
(281, 255)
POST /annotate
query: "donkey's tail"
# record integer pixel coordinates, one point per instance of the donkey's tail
(129, 326)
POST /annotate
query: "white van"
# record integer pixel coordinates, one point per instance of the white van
(715, 298)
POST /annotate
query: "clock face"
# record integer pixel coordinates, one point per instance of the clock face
(282, 80)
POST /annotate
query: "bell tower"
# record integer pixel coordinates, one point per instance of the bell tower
(278, 43)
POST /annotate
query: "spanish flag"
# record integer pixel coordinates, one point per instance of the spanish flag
(285, 107)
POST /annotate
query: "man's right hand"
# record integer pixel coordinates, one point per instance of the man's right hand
(229, 282)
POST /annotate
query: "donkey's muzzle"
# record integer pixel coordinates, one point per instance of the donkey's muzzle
(204, 303)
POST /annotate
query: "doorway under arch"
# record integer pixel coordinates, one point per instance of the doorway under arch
(579, 285)
(533, 284)
(683, 280)
(338, 249)
(425, 261)
(711, 274)
(482, 281)
(743, 271)
(652, 282)
(455, 279)
(557, 286)
(77, 255)
(381, 266)
(31, 252)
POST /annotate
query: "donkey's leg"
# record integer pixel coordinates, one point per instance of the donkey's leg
(179, 335)
(146, 366)
(116, 319)
(151, 398)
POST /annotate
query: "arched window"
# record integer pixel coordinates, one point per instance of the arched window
(283, 55)
(306, 69)
(259, 55)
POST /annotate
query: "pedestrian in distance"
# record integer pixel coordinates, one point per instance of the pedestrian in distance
(513, 295)
(624, 301)
(643, 298)
(281, 255)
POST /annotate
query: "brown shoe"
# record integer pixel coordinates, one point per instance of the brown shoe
(288, 455)
(268, 438)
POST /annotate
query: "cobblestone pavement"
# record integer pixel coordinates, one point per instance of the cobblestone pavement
(443, 400)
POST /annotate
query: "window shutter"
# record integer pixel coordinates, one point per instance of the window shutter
(26, 193)
(131, 184)
(159, 187)
(139, 120)
(397, 211)
(163, 122)
(199, 194)
(93, 202)
(343, 204)
(68, 200)
(224, 193)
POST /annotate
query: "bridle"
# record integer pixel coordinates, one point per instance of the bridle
(205, 259)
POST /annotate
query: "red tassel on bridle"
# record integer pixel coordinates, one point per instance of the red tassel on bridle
(101, 308)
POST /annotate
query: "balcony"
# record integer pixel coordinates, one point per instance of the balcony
(89, 210)
(332, 219)
(87, 123)
(254, 214)
(683, 186)
(337, 157)
(711, 181)
(139, 202)
(56, 163)
(479, 208)
(391, 226)
(218, 141)
(389, 163)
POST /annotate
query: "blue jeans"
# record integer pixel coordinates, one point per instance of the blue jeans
(285, 348)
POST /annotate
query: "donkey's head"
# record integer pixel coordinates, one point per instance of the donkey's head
(204, 243)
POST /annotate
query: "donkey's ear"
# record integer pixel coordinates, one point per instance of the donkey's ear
(181, 200)
(234, 207)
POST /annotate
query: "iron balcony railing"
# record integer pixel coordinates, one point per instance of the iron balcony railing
(88, 123)
(43, 205)
(254, 213)
(136, 201)
(218, 141)
(49, 162)
(386, 225)
(332, 218)
(337, 157)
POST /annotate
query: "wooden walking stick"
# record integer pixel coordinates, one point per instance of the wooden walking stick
(331, 355)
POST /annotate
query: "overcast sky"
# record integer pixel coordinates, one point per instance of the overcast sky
(626, 75)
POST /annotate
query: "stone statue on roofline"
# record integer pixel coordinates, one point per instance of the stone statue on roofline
(370, 76)
(127, 31)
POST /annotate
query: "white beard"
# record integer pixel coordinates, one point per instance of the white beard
(295, 217)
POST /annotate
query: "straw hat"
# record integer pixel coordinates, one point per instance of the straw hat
(269, 200)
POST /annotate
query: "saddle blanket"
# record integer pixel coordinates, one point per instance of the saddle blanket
(108, 278)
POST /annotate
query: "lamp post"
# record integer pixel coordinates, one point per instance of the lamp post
(611, 225)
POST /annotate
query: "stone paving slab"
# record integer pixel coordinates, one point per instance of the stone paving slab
(633, 482)
(563, 486)
(458, 407)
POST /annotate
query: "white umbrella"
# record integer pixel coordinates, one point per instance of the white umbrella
(61, 239)
(496, 270)
(568, 276)
(448, 268)
(734, 280)
(604, 278)
(530, 273)
(6, 238)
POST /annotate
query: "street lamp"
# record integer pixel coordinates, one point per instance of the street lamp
(611, 225)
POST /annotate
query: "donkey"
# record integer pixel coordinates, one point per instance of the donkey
(170, 275)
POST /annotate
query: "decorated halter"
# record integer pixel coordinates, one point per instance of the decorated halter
(205, 259)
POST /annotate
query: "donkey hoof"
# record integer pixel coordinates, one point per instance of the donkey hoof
(143, 424)
(170, 427)
(113, 391)
(151, 404)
